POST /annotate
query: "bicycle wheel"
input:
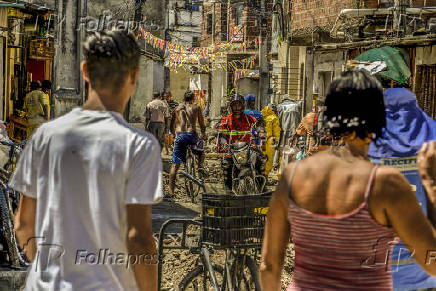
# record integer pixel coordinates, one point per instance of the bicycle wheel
(7, 231)
(246, 278)
(192, 189)
(194, 280)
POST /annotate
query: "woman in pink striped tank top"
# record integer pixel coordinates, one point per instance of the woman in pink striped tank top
(342, 213)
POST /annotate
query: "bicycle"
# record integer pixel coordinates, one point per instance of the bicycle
(191, 168)
(9, 200)
(14, 153)
(230, 223)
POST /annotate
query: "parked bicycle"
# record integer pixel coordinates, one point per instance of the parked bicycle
(233, 224)
(9, 200)
(15, 150)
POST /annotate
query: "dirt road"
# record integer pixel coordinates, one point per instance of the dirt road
(178, 263)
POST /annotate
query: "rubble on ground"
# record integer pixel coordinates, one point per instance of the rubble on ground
(178, 263)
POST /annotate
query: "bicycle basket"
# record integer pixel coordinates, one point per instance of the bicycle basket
(234, 221)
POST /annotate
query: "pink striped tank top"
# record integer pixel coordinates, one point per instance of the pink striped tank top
(341, 252)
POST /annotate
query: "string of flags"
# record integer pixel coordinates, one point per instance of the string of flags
(201, 58)
(231, 66)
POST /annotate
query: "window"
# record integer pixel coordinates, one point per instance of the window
(239, 14)
(195, 41)
(188, 5)
(209, 24)
(223, 22)
(325, 79)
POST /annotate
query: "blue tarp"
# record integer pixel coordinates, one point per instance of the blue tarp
(407, 128)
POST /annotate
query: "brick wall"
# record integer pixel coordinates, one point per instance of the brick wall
(309, 13)
(420, 3)
(370, 4)
(250, 22)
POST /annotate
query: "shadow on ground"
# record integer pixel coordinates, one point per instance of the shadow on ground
(169, 210)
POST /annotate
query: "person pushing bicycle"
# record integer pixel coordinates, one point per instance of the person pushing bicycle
(184, 125)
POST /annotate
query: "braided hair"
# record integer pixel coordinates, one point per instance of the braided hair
(110, 56)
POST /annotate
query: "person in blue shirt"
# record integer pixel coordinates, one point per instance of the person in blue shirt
(250, 100)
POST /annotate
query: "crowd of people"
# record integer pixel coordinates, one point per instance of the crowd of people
(89, 179)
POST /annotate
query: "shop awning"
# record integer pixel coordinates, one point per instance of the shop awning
(397, 68)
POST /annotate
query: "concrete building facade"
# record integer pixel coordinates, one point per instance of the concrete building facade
(184, 28)
(330, 33)
(235, 22)
(73, 19)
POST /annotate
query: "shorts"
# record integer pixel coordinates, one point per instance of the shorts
(183, 140)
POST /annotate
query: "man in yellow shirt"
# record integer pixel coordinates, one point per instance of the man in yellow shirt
(36, 107)
(46, 88)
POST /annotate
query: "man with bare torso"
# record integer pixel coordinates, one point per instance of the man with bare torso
(184, 125)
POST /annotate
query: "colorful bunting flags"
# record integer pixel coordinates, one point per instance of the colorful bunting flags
(201, 58)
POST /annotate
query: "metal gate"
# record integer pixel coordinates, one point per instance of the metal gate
(425, 89)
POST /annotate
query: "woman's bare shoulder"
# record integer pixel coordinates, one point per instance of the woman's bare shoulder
(390, 183)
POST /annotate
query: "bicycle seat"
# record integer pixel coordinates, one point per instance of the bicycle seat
(197, 148)
(197, 151)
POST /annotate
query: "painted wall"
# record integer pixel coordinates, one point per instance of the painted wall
(292, 71)
(219, 92)
(179, 84)
(150, 79)
(248, 86)
(426, 55)
(67, 82)
(184, 24)
(327, 63)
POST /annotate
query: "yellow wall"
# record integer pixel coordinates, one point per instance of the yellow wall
(179, 84)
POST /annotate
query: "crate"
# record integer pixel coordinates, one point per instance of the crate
(234, 221)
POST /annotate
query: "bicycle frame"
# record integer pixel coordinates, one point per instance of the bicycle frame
(202, 250)
(237, 255)
(228, 275)
(209, 268)
(185, 223)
